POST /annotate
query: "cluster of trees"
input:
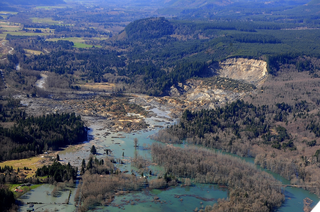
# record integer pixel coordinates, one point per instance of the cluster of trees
(6, 168)
(96, 166)
(301, 172)
(158, 82)
(249, 188)
(300, 61)
(94, 64)
(7, 200)
(255, 38)
(14, 177)
(59, 172)
(33, 135)
(9, 110)
(99, 189)
(101, 180)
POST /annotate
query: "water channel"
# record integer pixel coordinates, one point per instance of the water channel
(172, 199)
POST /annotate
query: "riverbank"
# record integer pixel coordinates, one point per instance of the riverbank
(122, 147)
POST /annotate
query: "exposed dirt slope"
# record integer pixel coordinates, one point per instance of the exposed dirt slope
(234, 78)
(247, 70)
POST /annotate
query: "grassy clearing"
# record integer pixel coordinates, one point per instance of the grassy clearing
(31, 163)
(25, 189)
(15, 29)
(34, 52)
(13, 186)
(100, 38)
(7, 12)
(45, 21)
(10, 28)
(81, 45)
(98, 86)
(4, 23)
(71, 149)
(72, 39)
(78, 42)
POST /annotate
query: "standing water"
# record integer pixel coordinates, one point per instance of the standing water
(172, 199)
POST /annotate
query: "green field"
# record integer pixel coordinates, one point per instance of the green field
(82, 45)
(78, 42)
(7, 12)
(15, 29)
(10, 28)
(72, 39)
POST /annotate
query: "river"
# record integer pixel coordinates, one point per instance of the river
(172, 199)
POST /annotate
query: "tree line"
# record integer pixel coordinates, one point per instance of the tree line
(224, 127)
(59, 172)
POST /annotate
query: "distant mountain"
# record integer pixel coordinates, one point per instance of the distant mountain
(31, 2)
(192, 4)
(209, 9)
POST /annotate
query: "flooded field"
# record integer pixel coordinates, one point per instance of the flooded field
(42, 199)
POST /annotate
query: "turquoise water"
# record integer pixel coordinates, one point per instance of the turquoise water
(294, 196)
(174, 199)
(192, 197)
(43, 195)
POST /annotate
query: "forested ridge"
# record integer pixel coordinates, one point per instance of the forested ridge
(30, 136)
(152, 54)
(109, 66)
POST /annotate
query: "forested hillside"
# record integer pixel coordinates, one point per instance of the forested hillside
(150, 54)
(278, 125)
(30, 136)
